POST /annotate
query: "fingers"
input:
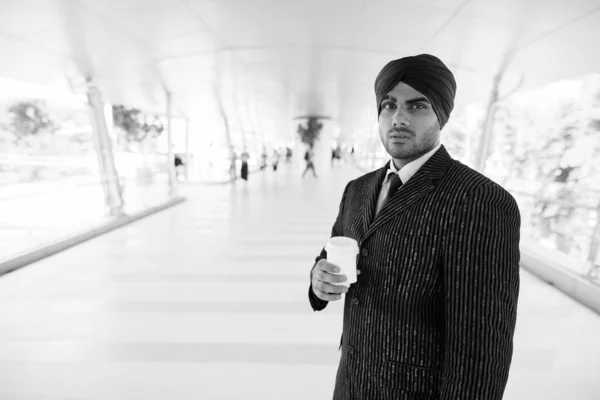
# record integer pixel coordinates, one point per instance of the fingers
(323, 265)
(326, 280)
(323, 283)
(327, 297)
(326, 272)
(328, 292)
(329, 278)
(329, 288)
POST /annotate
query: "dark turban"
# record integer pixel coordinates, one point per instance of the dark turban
(424, 73)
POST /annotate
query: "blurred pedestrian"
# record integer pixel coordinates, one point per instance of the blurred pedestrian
(244, 172)
(179, 167)
(275, 159)
(308, 157)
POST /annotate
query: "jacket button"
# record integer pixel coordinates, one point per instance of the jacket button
(355, 301)
(364, 252)
(350, 349)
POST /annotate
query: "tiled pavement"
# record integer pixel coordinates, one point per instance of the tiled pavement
(207, 300)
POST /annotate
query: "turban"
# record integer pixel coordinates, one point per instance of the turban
(424, 73)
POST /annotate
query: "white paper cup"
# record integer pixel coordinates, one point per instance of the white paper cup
(342, 252)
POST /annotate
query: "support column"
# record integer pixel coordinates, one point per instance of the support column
(594, 252)
(170, 155)
(187, 149)
(488, 126)
(225, 122)
(113, 192)
(323, 148)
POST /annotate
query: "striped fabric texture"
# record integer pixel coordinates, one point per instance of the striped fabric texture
(433, 313)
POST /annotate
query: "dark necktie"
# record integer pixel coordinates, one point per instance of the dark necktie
(395, 183)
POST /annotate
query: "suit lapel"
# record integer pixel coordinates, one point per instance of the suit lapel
(371, 192)
(423, 182)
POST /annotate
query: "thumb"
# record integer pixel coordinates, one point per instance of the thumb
(358, 272)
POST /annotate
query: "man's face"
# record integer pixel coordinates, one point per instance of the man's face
(408, 126)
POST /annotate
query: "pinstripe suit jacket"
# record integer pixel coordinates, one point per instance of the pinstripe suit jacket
(433, 313)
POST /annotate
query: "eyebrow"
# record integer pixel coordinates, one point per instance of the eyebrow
(410, 101)
(418, 100)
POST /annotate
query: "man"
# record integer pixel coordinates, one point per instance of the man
(433, 313)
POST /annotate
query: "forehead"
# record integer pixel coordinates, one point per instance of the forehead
(402, 91)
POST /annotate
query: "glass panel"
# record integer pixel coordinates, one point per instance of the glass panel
(50, 185)
(546, 152)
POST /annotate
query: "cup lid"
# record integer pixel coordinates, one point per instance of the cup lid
(342, 243)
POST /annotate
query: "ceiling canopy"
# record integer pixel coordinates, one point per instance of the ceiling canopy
(274, 60)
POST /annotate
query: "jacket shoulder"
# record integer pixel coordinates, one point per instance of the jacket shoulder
(467, 180)
(358, 185)
(368, 177)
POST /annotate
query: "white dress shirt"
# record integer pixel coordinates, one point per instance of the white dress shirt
(405, 173)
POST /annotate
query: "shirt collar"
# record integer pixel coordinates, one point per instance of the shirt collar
(412, 167)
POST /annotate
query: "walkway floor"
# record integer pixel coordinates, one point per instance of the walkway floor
(207, 300)
(44, 212)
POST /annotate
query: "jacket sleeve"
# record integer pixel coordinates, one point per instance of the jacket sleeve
(481, 272)
(337, 230)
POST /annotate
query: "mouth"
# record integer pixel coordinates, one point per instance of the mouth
(400, 137)
(398, 134)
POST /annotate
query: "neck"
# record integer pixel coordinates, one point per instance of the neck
(401, 162)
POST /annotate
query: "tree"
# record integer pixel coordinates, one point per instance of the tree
(135, 129)
(135, 126)
(29, 118)
(30, 125)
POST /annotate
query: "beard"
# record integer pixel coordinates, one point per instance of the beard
(414, 147)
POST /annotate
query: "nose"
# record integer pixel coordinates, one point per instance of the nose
(401, 117)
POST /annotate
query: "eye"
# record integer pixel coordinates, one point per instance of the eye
(419, 106)
(388, 105)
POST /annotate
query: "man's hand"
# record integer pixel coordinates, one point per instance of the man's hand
(324, 281)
